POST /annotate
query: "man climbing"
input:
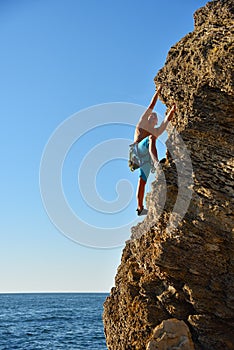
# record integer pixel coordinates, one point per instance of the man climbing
(145, 136)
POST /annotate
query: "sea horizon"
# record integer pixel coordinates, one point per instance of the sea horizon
(53, 292)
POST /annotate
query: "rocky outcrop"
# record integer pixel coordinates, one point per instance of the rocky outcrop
(179, 261)
(171, 334)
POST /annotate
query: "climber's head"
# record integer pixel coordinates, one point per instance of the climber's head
(153, 119)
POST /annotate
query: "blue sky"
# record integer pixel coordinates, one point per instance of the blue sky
(59, 58)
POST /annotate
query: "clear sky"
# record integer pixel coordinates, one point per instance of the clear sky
(59, 58)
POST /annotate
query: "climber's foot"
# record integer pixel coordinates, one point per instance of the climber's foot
(142, 211)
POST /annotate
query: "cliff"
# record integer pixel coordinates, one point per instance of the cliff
(178, 264)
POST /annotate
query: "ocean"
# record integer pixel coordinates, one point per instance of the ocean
(68, 321)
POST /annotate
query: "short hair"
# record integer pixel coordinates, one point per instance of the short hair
(153, 113)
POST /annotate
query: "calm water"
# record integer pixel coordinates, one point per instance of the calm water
(52, 321)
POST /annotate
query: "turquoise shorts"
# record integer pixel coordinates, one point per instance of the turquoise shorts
(143, 149)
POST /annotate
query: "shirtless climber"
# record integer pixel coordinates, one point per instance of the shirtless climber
(146, 135)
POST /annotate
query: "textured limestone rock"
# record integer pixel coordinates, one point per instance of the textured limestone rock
(171, 334)
(179, 261)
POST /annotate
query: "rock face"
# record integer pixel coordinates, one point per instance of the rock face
(179, 261)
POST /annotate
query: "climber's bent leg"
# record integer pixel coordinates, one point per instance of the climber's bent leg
(152, 149)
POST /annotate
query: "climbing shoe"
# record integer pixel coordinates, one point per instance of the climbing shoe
(141, 212)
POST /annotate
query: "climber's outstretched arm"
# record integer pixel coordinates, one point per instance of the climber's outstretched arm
(162, 127)
(152, 104)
